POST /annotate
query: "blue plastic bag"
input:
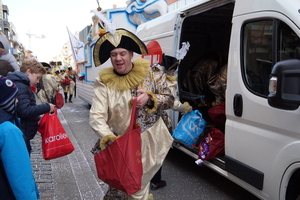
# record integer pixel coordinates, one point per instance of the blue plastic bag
(190, 127)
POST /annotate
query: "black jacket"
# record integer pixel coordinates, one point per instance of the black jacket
(27, 110)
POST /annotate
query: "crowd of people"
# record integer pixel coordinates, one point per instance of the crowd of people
(154, 88)
(20, 115)
(52, 83)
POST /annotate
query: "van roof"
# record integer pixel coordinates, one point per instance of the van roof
(289, 8)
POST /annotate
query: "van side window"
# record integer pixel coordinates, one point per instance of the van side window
(257, 55)
(288, 43)
(259, 39)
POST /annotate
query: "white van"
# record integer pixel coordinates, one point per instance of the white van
(259, 41)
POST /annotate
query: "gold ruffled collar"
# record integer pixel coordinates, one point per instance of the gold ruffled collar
(171, 78)
(129, 81)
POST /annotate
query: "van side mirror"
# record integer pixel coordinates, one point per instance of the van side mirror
(284, 85)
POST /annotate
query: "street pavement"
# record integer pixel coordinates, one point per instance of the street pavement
(72, 176)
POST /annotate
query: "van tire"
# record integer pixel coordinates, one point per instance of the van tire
(293, 188)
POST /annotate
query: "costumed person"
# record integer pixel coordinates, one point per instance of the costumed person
(69, 88)
(16, 175)
(56, 73)
(28, 111)
(169, 65)
(96, 30)
(5, 55)
(115, 89)
(73, 75)
(49, 86)
(58, 77)
(62, 72)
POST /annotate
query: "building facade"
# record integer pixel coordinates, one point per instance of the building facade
(8, 29)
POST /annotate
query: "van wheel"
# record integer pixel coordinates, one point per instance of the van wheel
(293, 188)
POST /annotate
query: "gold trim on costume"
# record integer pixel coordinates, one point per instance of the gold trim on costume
(171, 78)
(115, 40)
(131, 80)
(173, 65)
(187, 108)
(105, 139)
(155, 100)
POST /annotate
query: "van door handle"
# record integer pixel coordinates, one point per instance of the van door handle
(238, 105)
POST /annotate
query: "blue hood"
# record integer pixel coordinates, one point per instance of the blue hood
(18, 77)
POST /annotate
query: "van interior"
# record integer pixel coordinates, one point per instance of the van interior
(206, 60)
(208, 34)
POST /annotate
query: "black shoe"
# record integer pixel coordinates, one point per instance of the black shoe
(158, 185)
(70, 98)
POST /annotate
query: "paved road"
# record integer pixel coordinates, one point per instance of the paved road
(74, 176)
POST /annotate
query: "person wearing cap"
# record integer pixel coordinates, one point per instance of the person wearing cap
(49, 86)
(5, 55)
(28, 111)
(16, 175)
(170, 64)
(58, 77)
(115, 88)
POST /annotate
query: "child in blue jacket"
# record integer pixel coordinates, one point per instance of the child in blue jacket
(16, 175)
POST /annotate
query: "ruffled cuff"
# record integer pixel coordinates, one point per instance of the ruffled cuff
(154, 102)
(105, 139)
(187, 108)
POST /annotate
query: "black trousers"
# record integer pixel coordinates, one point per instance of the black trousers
(157, 177)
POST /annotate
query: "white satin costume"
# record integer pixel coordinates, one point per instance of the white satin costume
(111, 110)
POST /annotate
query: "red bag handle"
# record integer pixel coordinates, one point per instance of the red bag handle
(133, 115)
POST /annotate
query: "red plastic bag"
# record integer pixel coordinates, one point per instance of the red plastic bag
(66, 81)
(59, 100)
(212, 145)
(81, 78)
(120, 164)
(217, 115)
(55, 142)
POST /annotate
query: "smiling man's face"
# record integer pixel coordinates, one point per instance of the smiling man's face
(121, 60)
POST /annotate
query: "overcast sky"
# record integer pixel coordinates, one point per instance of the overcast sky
(50, 18)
